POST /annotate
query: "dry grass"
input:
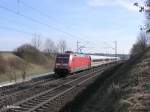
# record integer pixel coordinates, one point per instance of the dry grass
(8, 55)
(16, 67)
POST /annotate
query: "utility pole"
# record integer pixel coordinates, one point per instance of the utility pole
(80, 47)
(115, 48)
(77, 47)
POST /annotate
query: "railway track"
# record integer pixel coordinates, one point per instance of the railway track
(29, 92)
(24, 85)
(35, 88)
(42, 100)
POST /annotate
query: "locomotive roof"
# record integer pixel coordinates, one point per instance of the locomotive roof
(74, 54)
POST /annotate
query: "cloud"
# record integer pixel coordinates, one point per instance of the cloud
(96, 3)
(127, 4)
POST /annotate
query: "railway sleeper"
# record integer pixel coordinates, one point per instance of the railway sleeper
(37, 100)
(32, 101)
(27, 105)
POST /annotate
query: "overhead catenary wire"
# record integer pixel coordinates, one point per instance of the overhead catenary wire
(37, 21)
(19, 13)
(20, 31)
(45, 15)
(37, 10)
(16, 30)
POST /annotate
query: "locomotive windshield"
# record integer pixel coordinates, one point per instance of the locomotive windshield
(62, 58)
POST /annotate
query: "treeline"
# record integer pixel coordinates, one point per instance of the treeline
(49, 46)
(39, 51)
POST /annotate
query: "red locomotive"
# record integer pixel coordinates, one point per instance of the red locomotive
(70, 62)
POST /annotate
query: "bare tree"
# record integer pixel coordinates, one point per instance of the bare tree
(143, 41)
(62, 46)
(147, 24)
(50, 47)
(140, 46)
(36, 41)
(146, 9)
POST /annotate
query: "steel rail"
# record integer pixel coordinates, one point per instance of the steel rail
(58, 95)
(76, 75)
(51, 91)
(8, 89)
(42, 82)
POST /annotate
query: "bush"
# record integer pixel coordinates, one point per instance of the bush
(140, 46)
(31, 54)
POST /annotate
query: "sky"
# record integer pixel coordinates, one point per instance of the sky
(96, 24)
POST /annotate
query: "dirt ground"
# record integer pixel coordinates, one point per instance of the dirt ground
(123, 88)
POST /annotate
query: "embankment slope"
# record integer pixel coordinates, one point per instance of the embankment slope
(123, 88)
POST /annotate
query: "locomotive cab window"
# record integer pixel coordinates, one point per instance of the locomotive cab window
(61, 58)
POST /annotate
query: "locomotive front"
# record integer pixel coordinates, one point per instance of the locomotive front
(62, 64)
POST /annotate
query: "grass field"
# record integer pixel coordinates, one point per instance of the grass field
(32, 69)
